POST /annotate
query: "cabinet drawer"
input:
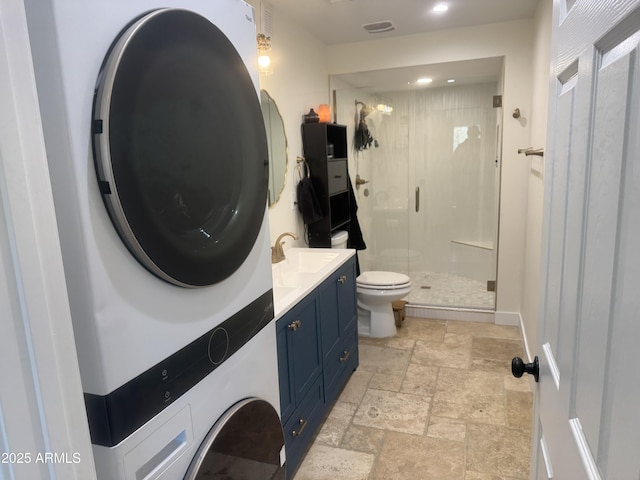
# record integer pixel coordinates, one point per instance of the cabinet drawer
(337, 176)
(301, 427)
(340, 364)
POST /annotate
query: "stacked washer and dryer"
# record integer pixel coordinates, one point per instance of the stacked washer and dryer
(159, 167)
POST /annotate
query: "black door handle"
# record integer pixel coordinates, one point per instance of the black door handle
(518, 368)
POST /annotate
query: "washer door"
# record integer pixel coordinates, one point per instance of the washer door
(180, 147)
(244, 444)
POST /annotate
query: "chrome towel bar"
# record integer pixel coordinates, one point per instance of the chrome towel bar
(531, 151)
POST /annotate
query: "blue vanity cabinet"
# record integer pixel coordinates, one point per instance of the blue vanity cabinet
(338, 327)
(317, 352)
(300, 371)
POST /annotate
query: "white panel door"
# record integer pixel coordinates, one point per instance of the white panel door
(588, 421)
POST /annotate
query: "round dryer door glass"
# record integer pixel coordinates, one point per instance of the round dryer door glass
(180, 147)
(245, 443)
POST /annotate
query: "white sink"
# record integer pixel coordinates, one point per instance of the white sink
(284, 278)
(303, 270)
(306, 260)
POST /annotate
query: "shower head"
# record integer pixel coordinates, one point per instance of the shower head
(365, 110)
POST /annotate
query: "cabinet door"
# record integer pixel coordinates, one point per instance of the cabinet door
(330, 329)
(338, 325)
(337, 298)
(299, 358)
(304, 354)
(347, 305)
(287, 399)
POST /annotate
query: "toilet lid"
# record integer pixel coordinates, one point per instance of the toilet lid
(378, 279)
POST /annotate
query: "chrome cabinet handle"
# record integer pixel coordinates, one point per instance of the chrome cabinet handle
(417, 199)
(345, 356)
(303, 425)
(342, 279)
(295, 325)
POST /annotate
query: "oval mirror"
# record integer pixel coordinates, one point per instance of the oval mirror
(277, 142)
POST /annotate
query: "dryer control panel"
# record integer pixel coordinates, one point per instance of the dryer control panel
(114, 416)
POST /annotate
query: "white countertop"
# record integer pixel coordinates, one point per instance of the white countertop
(303, 270)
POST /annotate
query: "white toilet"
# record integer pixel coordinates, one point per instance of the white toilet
(376, 291)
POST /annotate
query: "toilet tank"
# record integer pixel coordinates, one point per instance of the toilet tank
(339, 239)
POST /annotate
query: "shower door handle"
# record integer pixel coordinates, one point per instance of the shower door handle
(417, 199)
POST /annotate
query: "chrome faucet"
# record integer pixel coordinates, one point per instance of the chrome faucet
(277, 254)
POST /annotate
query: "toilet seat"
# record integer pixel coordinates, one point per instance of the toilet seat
(379, 280)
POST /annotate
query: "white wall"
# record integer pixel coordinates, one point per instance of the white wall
(299, 82)
(541, 70)
(302, 66)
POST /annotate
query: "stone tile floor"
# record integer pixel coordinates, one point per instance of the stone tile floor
(437, 401)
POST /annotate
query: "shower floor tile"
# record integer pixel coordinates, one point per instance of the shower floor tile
(449, 290)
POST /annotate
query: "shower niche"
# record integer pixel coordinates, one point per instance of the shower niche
(325, 150)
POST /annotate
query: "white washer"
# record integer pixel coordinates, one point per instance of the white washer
(170, 294)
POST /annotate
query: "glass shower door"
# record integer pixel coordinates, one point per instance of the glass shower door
(452, 224)
(390, 173)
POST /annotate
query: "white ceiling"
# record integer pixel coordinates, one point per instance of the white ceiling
(397, 79)
(340, 21)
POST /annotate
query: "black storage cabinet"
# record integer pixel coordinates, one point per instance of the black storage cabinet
(325, 150)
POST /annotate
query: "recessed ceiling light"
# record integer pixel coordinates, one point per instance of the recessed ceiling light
(441, 8)
(451, 80)
(423, 81)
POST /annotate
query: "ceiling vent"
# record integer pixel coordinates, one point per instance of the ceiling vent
(379, 27)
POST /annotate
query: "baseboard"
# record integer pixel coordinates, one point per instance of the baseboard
(441, 313)
(515, 319)
(508, 318)
(525, 342)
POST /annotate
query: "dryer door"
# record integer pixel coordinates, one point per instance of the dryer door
(180, 147)
(245, 443)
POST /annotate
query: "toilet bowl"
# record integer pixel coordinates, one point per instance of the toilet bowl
(376, 291)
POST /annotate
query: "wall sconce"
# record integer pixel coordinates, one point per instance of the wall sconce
(264, 60)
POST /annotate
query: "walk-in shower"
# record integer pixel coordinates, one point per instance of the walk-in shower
(432, 163)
